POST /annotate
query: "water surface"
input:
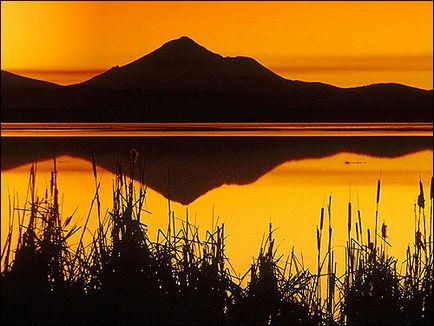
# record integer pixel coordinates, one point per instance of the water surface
(245, 182)
(79, 129)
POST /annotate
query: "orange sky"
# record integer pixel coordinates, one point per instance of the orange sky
(341, 43)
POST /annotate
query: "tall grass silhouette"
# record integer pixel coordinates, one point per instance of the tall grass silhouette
(121, 276)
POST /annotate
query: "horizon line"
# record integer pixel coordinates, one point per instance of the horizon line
(95, 72)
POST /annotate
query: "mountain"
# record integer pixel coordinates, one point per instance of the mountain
(10, 80)
(184, 82)
(183, 65)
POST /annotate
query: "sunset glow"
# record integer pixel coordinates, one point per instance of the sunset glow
(216, 162)
(341, 43)
(293, 191)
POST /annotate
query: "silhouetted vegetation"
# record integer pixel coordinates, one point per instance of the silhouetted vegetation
(123, 277)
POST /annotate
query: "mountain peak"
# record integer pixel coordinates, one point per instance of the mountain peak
(183, 40)
(183, 50)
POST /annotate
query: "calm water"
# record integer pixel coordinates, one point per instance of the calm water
(235, 175)
(214, 129)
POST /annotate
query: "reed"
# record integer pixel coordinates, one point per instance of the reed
(121, 276)
(373, 280)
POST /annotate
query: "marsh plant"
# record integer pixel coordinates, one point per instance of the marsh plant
(121, 276)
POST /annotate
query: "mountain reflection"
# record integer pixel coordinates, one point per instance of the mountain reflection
(196, 165)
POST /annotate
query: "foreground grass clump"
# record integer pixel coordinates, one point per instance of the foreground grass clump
(374, 291)
(123, 277)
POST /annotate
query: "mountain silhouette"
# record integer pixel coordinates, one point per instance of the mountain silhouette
(183, 65)
(184, 82)
(10, 80)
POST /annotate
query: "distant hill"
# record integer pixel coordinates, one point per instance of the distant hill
(184, 82)
(10, 80)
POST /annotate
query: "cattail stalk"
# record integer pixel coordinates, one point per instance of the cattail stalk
(376, 212)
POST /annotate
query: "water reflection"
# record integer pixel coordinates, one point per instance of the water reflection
(243, 182)
(196, 165)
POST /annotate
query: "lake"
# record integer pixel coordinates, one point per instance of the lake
(244, 176)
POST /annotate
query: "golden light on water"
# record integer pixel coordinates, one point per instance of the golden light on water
(213, 129)
(290, 196)
(245, 176)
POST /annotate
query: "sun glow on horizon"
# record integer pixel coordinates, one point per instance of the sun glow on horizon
(341, 43)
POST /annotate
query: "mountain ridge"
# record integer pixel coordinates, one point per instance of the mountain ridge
(182, 64)
(9, 79)
(183, 81)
